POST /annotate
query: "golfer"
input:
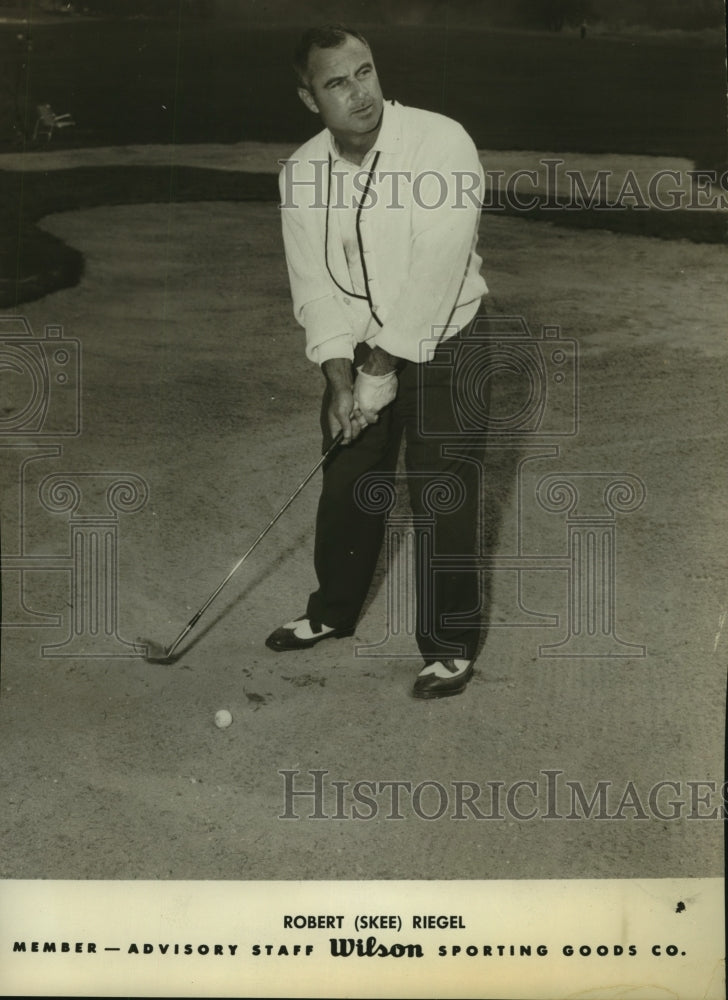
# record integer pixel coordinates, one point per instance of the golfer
(380, 213)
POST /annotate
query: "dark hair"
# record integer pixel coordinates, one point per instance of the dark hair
(327, 36)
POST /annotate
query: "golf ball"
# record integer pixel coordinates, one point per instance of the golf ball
(223, 718)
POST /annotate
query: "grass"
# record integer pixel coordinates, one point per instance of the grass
(34, 263)
(133, 81)
(151, 81)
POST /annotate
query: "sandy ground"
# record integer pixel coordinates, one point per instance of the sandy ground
(193, 379)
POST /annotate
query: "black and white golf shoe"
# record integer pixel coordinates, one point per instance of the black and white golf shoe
(302, 634)
(442, 678)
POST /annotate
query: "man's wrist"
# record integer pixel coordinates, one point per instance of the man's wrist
(380, 362)
(339, 374)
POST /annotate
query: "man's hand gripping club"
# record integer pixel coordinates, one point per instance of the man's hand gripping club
(357, 403)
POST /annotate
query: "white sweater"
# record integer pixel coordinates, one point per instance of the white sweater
(417, 231)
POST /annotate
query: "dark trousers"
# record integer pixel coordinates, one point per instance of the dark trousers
(443, 467)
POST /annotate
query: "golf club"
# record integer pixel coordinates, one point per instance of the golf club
(155, 652)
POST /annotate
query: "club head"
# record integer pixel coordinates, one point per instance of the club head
(153, 652)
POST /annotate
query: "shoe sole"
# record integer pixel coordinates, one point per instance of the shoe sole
(438, 694)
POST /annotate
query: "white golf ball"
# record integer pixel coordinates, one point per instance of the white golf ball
(223, 718)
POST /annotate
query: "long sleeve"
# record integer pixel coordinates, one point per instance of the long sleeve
(328, 325)
(418, 262)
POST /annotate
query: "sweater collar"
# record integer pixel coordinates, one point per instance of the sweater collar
(389, 138)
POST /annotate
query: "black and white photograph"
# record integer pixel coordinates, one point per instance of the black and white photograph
(363, 522)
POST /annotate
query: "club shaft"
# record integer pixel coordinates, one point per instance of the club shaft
(196, 617)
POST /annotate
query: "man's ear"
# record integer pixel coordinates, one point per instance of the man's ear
(308, 99)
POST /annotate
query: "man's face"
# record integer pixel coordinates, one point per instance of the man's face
(344, 88)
